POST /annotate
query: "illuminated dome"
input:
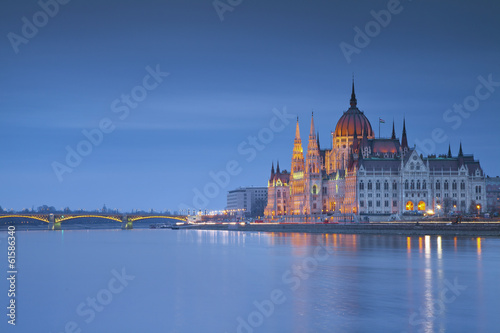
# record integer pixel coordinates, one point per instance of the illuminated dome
(353, 120)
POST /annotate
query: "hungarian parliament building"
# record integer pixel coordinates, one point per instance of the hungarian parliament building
(365, 177)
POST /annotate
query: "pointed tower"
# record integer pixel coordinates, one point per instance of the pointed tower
(272, 173)
(393, 136)
(312, 158)
(298, 153)
(449, 151)
(354, 102)
(460, 155)
(296, 203)
(312, 173)
(278, 167)
(404, 140)
(317, 135)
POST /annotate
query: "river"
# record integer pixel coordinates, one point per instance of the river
(160, 280)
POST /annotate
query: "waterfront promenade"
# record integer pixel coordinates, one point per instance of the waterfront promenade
(422, 228)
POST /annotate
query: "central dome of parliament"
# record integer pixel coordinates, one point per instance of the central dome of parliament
(353, 120)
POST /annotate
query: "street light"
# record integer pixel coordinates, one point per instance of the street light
(478, 209)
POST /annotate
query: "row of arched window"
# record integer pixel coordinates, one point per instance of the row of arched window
(411, 185)
(446, 185)
(378, 185)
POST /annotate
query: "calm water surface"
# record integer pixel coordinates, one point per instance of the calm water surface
(217, 281)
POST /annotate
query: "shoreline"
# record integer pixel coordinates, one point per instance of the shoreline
(409, 229)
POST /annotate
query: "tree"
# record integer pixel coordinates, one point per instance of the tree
(258, 208)
(447, 205)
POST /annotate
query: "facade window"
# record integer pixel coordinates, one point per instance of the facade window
(394, 203)
(412, 186)
(462, 185)
(424, 185)
(370, 204)
(369, 185)
(377, 186)
(386, 203)
(418, 184)
(438, 185)
(454, 185)
(361, 185)
(446, 185)
(386, 185)
(394, 186)
(378, 203)
(279, 194)
(325, 190)
(361, 195)
(361, 204)
(406, 185)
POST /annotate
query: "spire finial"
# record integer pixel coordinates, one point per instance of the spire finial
(449, 151)
(404, 140)
(313, 131)
(278, 167)
(460, 153)
(354, 102)
(393, 136)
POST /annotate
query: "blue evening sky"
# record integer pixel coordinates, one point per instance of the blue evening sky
(225, 78)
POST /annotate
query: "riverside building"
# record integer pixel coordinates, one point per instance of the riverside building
(363, 177)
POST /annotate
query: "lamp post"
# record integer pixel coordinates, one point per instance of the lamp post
(478, 210)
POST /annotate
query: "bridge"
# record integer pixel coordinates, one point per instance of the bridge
(54, 220)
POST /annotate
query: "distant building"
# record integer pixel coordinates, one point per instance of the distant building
(493, 194)
(369, 177)
(248, 201)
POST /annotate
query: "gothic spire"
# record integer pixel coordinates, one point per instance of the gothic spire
(297, 130)
(393, 136)
(312, 133)
(449, 151)
(460, 153)
(354, 102)
(317, 136)
(278, 167)
(404, 140)
(272, 172)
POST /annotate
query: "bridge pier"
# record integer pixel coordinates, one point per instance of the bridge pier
(53, 225)
(126, 223)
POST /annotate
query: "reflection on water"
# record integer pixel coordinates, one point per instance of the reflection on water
(200, 280)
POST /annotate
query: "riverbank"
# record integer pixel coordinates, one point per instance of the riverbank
(410, 229)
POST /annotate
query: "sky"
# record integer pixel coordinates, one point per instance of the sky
(170, 104)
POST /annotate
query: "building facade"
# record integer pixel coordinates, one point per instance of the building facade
(363, 175)
(493, 194)
(247, 201)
